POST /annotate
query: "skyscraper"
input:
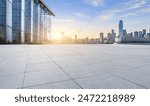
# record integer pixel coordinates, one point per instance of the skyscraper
(140, 34)
(124, 32)
(112, 31)
(24, 21)
(144, 32)
(101, 38)
(136, 34)
(121, 28)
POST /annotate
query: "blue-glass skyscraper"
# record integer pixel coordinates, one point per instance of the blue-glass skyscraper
(24, 21)
(120, 28)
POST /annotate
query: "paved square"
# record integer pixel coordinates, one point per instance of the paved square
(74, 66)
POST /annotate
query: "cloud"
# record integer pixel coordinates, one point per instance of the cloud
(128, 15)
(106, 17)
(145, 10)
(124, 10)
(95, 3)
(135, 4)
(108, 14)
(79, 14)
(140, 3)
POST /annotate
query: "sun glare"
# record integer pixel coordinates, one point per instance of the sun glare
(57, 36)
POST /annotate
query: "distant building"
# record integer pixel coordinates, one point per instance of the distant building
(101, 38)
(124, 32)
(87, 40)
(110, 38)
(75, 39)
(148, 34)
(113, 33)
(136, 34)
(141, 34)
(91, 41)
(129, 35)
(144, 32)
(120, 28)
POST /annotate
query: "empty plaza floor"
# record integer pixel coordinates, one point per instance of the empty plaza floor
(75, 66)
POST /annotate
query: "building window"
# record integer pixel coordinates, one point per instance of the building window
(2, 21)
(16, 21)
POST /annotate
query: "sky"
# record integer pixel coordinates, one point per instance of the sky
(87, 18)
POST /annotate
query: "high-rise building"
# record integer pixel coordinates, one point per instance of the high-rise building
(140, 34)
(148, 34)
(130, 35)
(124, 32)
(112, 31)
(24, 21)
(113, 35)
(101, 38)
(136, 34)
(121, 28)
(110, 38)
(87, 40)
(144, 32)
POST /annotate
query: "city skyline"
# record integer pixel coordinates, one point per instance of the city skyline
(124, 36)
(90, 17)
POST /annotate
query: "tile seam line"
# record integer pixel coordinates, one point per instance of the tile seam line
(130, 81)
(65, 80)
(61, 69)
(47, 83)
(25, 72)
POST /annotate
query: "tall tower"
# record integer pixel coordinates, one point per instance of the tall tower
(101, 38)
(121, 28)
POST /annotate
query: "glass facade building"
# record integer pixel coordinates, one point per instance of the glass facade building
(24, 21)
(121, 28)
(2, 20)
